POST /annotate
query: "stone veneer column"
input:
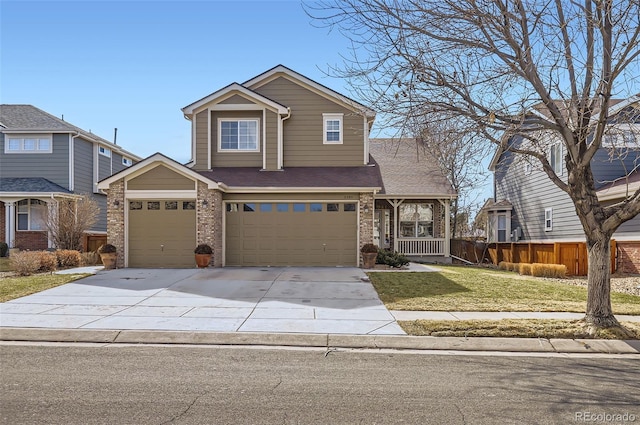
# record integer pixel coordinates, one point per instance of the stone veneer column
(209, 221)
(366, 219)
(115, 218)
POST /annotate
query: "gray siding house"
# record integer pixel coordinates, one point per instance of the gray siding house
(528, 207)
(44, 158)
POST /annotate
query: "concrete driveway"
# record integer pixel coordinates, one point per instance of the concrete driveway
(276, 300)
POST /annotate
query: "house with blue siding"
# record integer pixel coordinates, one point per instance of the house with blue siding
(43, 159)
(528, 207)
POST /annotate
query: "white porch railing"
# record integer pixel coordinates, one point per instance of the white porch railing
(421, 246)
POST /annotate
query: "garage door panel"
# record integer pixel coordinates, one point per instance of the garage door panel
(281, 236)
(159, 235)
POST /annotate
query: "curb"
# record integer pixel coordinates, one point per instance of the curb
(398, 342)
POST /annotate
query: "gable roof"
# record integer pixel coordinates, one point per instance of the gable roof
(150, 161)
(408, 170)
(28, 118)
(189, 109)
(621, 188)
(30, 185)
(265, 77)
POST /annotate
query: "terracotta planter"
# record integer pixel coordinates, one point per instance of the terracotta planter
(203, 260)
(109, 260)
(369, 260)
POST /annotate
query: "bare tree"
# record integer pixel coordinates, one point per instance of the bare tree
(69, 219)
(459, 157)
(489, 63)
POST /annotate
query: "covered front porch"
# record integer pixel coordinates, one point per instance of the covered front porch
(415, 227)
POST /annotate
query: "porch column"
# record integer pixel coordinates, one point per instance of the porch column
(447, 228)
(10, 222)
(52, 212)
(395, 203)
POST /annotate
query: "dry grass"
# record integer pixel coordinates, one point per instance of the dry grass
(16, 287)
(458, 288)
(5, 265)
(516, 328)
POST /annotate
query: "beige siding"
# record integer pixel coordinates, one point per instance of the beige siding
(237, 99)
(202, 140)
(234, 159)
(303, 132)
(272, 140)
(161, 178)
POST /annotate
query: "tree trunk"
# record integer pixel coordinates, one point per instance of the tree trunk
(599, 312)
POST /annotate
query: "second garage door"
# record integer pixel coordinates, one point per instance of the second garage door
(162, 233)
(291, 234)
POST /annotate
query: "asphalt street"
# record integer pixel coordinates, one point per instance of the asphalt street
(127, 384)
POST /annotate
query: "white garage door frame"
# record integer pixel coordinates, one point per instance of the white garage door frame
(285, 200)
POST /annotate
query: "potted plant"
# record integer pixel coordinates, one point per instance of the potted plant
(203, 255)
(108, 255)
(369, 254)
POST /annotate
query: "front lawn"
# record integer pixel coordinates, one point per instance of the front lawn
(20, 286)
(458, 288)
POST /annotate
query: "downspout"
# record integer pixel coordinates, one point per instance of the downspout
(281, 138)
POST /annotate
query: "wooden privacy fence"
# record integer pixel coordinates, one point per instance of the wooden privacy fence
(571, 254)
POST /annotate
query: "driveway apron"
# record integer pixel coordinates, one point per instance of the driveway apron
(270, 299)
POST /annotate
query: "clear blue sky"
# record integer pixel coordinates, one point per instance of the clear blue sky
(134, 64)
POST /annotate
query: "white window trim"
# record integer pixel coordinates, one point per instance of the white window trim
(332, 117)
(104, 151)
(22, 138)
(548, 218)
(127, 162)
(29, 215)
(256, 120)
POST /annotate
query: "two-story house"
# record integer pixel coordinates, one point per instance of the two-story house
(42, 159)
(529, 208)
(282, 173)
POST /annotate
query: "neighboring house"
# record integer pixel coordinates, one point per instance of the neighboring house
(528, 207)
(43, 159)
(282, 173)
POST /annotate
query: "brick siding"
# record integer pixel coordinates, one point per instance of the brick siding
(3, 224)
(366, 219)
(209, 221)
(31, 240)
(628, 257)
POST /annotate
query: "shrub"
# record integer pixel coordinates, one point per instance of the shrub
(89, 258)
(392, 259)
(106, 249)
(203, 248)
(25, 263)
(48, 261)
(4, 248)
(68, 258)
(524, 268)
(368, 248)
(549, 270)
(505, 265)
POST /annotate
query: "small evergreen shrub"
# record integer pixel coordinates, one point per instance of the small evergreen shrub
(68, 258)
(48, 261)
(549, 270)
(25, 263)
(107, 249)
(4, 248)
(392, 259)
(524, 268)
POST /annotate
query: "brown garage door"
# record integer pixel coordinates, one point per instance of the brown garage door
(162, 233)
(291, 234)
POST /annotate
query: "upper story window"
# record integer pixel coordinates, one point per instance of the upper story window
(238, 135)
(332, 128)
(555, 157)
(28, 144)
(104, 151)
(127, 162)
